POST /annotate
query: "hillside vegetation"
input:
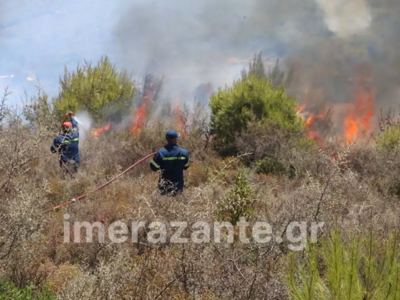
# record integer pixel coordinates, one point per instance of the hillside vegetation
(333, 209)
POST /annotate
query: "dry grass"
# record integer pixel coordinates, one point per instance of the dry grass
(347, 185)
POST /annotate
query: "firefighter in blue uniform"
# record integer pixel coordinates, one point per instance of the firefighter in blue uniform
(67, 144)
(171, 160)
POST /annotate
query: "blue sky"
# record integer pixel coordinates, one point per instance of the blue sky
(39, 37)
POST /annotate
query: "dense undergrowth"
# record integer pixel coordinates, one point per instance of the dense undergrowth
(276, 176)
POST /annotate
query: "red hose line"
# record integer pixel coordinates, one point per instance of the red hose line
(100, 187)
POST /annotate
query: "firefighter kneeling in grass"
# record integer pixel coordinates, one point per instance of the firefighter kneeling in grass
(171, 160)
(67, 144)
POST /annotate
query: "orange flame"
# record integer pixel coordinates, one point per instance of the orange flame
(310, 119)
(309, 122)
(300, 109)
(360, 114)
(179, 117)
(140, 114)
(314, 135)
(98, 131)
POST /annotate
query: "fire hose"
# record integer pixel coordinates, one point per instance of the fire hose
(103, 185)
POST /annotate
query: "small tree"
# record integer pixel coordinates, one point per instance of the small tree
(101, 90)
(256, 67)
(251, 99)
(238, 203)
(390, 138)
(364, 269)
(39, 113)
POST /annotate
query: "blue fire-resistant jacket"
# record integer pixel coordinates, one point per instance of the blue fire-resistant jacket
(172, 160)
(67, 144)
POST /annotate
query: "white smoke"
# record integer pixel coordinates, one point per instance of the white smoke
(346, 18)
(84, 123)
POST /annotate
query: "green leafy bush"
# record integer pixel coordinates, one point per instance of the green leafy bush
(364, 269)
(390, 138)
(238, 203)
(101, 90)
(39, 113)
(270, 166)
(10, 291)
(394, 189)
(250, 99)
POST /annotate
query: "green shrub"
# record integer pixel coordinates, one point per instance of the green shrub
(39, 113)
(101, 90)
(270, 166)
(390, 138)
(364, 269)
(250, 99)
(238, 203)
(394, 189)
(10, 291)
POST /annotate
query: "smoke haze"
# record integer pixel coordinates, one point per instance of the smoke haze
(85, 123)
(194, 42)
